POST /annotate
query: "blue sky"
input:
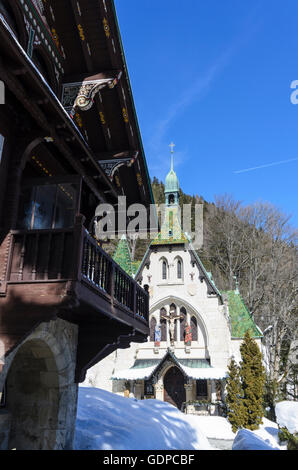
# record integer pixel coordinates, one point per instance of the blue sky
(214, 77)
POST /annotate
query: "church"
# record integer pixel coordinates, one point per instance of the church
(194, 328)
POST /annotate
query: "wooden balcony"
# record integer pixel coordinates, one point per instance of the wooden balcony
(66, 271)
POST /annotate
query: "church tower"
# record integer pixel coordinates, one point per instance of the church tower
(172, 185)
(171, 230)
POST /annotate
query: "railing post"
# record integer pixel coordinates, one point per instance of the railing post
(78, 246)
(6, 251)
(147, 304)
(134, 298)
(112, 282)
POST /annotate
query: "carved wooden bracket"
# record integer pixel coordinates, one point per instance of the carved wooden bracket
(80, 95)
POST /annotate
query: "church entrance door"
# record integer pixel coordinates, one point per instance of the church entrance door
(174, 391)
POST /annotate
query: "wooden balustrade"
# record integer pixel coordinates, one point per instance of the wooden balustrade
(73, 254)
(41, 255)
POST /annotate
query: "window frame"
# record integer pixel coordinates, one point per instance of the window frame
(164, 269)
(34, 183)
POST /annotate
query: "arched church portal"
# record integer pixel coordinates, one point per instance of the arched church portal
(174, 391)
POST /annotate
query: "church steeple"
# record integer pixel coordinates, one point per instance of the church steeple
(172, 184)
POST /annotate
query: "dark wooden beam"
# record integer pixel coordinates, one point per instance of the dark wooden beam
(117, 155)
(19, 71)
(100, 75)
(82, 34)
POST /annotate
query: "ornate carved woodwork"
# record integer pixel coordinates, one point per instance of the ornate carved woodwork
(81, 94)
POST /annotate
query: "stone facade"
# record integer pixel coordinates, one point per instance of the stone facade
(39, 409)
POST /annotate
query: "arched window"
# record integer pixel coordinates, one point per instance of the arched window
(164, 269)
(179, 269)
(171, 199)
(173, 309)
(194, 329)
(182, 323)
(163, 324)
(152, 328)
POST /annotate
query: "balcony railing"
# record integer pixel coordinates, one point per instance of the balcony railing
(73, 254)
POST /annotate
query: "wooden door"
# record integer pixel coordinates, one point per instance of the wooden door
(174, 391)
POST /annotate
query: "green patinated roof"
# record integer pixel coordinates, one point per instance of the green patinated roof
(171, 182)
(193, 363)
(241, 320)
(122, 256)
(160, 240)
(135, 266)
(171, 224)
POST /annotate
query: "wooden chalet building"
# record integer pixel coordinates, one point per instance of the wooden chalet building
(69, 141)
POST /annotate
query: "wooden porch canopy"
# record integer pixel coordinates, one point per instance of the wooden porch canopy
(197, 369)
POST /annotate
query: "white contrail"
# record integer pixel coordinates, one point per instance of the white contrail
(266, 165)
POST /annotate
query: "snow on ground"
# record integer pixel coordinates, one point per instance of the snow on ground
(248, 440)
(264, 438)
(287, 415)
(214, 427)
(106, 421)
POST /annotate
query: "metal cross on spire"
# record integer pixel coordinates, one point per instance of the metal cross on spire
(172, 151)
(172, 147)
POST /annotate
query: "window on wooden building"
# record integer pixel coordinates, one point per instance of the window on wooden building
(47, 206)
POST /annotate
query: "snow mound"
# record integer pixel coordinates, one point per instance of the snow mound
(214, 427)
(248, 440)
(287, 415)
(106, 421)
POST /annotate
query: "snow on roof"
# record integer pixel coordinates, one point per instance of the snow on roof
(215, 373)
(134, 374)
(144, 373)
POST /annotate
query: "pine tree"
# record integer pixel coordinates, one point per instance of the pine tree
(252, 375)
(236, 410)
